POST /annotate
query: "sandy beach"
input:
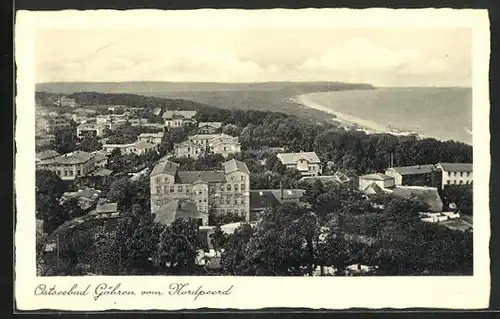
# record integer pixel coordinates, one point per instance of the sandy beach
(346, 119)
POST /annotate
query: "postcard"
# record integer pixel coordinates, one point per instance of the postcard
(252, 159)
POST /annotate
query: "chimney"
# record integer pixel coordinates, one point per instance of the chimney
(281, 190)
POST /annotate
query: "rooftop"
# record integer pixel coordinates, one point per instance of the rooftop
(76, 157)
(263, 198)
(428, 195)
(234, 165)
(179, 208)
(455, 167)
(190, 177)
(47, 154)
(165, 167)
(143, 145)
(413, 170)
(107, 208)
(292, 158)
(158, 134)
(212, 124)
(376, 177)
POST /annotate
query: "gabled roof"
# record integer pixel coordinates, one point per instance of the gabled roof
(180, 208)
(101, 172)
(215, 125)
(234, 165)
(413, 170)
(293, 158)
(184, 114)
(376, 177)
(165, 167)
(190, 177)
(428, 195)
(455, 167)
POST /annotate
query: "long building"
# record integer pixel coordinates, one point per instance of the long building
(72, 165)
(307, 163)
(220, 192)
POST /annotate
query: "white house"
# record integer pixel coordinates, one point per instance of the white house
(137, 148)
(188, 149)
(455, 173)
(152, 138)
(178, 118)
(224, 146)
(307, 163)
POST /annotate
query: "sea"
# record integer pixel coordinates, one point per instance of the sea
(442, 113)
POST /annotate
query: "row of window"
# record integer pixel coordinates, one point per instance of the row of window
(69, 173)
(181, 188)
(461, 174)
(460, 182)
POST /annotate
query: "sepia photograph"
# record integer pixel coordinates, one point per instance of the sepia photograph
(254, 151)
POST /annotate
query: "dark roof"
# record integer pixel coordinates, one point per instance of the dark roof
(428, 195)
(234, 165)
(101, 172)
(263, 198)
(76, 157)
(165, 167)
(376, 177)
(413, 170)
(189, 177)
(179, 208)
(456, 167)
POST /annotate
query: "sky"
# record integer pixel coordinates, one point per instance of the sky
(382, 57)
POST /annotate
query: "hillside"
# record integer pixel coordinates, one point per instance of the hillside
(268, 96)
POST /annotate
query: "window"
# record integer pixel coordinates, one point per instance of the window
(242, 187)
(228, 187)
(243, 201)
(59, 172)
(461, 174)
(448, 182)
(172, 189)
(199, 201)
(468, 174)
(188, 189)
(236, 201)
(65, 173)
(229, 211)
(227, 201)
(449, 174)
(179, 188)
(79, 172)
(225, 149)
(242, 178)
(205, 200)
(455, 174)
(461, 182)
(221, 188)
(165, 189)
(235, 187)
(166, 180)
(189, 149)
(158, 189)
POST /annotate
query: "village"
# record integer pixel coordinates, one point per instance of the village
(178, 192)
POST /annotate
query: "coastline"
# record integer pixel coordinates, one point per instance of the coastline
(350, 121)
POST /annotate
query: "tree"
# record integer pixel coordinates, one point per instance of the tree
(118, 191)
(177, 248)
(49, 183)
(231, 129)
(235, 251)
(72, 208)
(222, 219)
(89, 144)
(65, 140)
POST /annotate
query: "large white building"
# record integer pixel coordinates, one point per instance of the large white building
(307, 163)
(222, 144)
(455, 173)
(220, 192)
(152, 138)
(71, 165)
(188, 149)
